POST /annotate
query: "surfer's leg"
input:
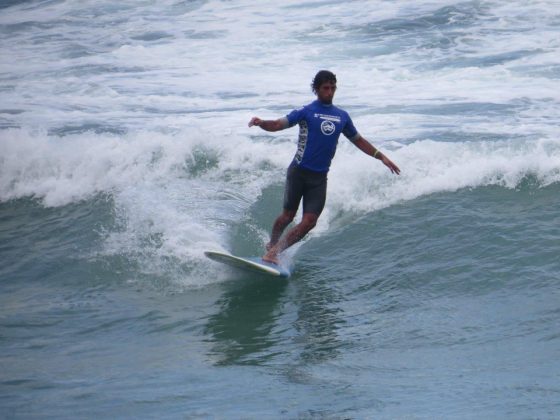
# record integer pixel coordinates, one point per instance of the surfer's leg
(279, 225)
(312, 187)
(293, 192)
(315, 194)
(296, 234)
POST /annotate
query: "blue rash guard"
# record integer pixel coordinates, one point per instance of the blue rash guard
(320, 127)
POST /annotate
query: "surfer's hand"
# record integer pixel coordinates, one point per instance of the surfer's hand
(389, 164)
(255, 121)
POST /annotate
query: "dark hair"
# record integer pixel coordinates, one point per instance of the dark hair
(322, 77)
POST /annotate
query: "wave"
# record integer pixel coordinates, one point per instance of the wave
(431, 167)
(464, 93)
(62, 170)
(192, 188)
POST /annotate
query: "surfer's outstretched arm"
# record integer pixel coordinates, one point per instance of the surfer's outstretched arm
(269, 125)
(366, 147)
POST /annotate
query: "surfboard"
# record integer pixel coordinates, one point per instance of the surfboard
(249, 263)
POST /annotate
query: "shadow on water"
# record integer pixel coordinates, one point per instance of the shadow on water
(241, 332)
(319, 317)
(256, 322)
(261, 318)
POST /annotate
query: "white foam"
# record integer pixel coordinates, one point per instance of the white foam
(359, 185)
(148, 176)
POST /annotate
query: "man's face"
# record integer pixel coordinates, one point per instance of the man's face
(326, 91)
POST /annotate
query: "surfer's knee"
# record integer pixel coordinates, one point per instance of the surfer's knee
(309, 221)
(287, 216)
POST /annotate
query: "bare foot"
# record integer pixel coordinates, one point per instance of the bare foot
(270, 257)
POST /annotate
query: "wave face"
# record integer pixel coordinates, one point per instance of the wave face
(125, 153)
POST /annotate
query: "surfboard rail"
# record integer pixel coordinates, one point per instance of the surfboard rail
(248, 263)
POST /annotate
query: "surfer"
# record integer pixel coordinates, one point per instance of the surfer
(320, 125)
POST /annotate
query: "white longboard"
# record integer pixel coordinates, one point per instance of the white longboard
(248, 263)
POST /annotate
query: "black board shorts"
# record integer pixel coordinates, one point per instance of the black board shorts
(307, 185)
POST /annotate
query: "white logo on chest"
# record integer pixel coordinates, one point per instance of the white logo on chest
(327, 127)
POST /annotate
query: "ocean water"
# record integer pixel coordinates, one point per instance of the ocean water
(125, 153)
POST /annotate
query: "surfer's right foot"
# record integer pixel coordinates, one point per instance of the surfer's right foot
(270, 257)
